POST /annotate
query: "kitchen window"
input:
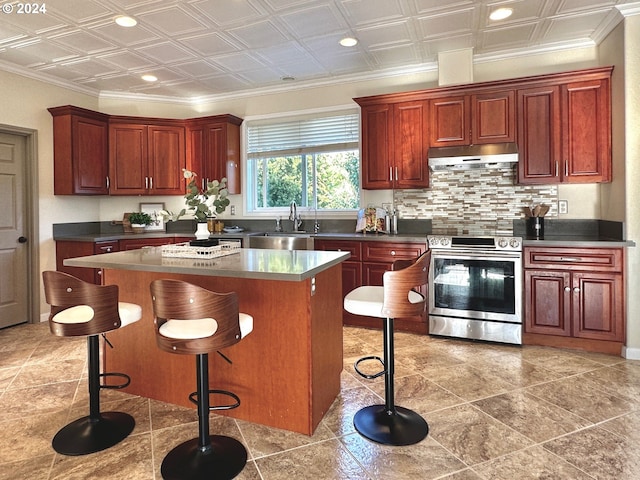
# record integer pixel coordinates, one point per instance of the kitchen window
(311, 160)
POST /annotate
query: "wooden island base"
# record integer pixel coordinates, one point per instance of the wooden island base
(286, 372)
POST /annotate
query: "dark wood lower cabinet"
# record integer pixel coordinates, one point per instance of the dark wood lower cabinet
(366, 266)
(575, 298)
(72, 249)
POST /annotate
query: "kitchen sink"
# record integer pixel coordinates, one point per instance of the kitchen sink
(282, 241)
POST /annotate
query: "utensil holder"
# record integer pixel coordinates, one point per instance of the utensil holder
(535, 227)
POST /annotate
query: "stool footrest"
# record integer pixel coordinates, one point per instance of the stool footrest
(193, 398)
(367, 375)
(119, 375)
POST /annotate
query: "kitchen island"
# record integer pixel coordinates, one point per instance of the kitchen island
(286, 372)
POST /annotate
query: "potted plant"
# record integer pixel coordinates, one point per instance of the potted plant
(139, 220)
(203, 203)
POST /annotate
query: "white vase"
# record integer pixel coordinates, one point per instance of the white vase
(202, 231)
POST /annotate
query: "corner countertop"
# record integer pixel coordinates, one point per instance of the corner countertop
(249, 263)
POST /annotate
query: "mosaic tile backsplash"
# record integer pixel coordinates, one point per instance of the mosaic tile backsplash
(479, 201)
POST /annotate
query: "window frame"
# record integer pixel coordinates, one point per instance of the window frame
(249, 209)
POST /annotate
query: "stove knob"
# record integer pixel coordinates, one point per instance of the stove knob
(444, 241)
(433, 241)
(502, 242)
(514, 243)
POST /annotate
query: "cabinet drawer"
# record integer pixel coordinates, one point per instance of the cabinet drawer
(105, 247)
(354, 248)
(389, 252)
(590, 259)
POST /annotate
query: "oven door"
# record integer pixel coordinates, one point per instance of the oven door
(477, 285)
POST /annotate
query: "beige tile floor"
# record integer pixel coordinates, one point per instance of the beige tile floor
(495, 412)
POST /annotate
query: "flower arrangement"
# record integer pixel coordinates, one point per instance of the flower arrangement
(202, 203)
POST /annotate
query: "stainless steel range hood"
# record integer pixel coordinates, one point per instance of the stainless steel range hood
(472, 156)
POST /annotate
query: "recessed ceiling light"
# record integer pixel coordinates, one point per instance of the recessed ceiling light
(501, 13)
(348, 42)
(287, 78)
(125, 21)
(149, 78)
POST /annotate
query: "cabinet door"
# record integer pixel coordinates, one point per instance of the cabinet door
(166, 160)
(223, 155)
(376, 141)
(80, 152)
(598, 303)
(586, 131)
(493, 117)
(70, 249)
(103, 247)
(539, 135)
(410, 120)
(90, 157)
(547, 307)
(450, 121)
(128, 159)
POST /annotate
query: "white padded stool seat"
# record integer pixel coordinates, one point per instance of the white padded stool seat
(128, 312)
(368, 301)
(201, 327)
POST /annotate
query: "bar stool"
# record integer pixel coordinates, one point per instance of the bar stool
(191, 320)
(389, 424)
(79, 308)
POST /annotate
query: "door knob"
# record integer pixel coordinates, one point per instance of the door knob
(22, 239)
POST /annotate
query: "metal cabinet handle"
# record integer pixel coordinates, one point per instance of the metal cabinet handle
(576, 289)
(146, 183)
(570, 259)
(566, 168)
(107, 183)
(393, 253)
(22, 239)
(567, 289)
(396, 174)
(556, 168)
(391, 174)
(150, 183)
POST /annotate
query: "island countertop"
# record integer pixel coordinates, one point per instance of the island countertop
(248, 263)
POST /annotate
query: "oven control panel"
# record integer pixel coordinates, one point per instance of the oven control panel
(436, 242)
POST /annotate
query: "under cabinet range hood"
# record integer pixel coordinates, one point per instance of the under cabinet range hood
(472, 156)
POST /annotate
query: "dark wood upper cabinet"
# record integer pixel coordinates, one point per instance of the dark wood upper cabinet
(539, 130)
(473, 119)
(99, 154)
(450, 121)
(493, 117)
(394, 145)
(564, 130)
(213, 149)
(80, 151)
(586, 131)
(561, 123)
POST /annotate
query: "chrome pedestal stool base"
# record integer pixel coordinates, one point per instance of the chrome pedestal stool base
(223, 459)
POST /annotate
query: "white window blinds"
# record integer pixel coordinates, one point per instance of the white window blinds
(306, 135)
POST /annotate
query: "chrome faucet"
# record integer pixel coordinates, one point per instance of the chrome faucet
(294, 216)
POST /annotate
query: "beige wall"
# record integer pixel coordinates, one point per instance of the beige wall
(632, 178)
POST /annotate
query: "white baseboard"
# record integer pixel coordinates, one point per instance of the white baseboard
(631, 353)
(44, 317)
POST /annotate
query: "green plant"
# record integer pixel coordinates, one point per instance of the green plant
(140, 218)
(202, 203)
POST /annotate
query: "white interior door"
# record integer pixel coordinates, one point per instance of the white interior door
(14, 274)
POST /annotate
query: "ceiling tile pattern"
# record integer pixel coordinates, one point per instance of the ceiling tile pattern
(208, 48)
